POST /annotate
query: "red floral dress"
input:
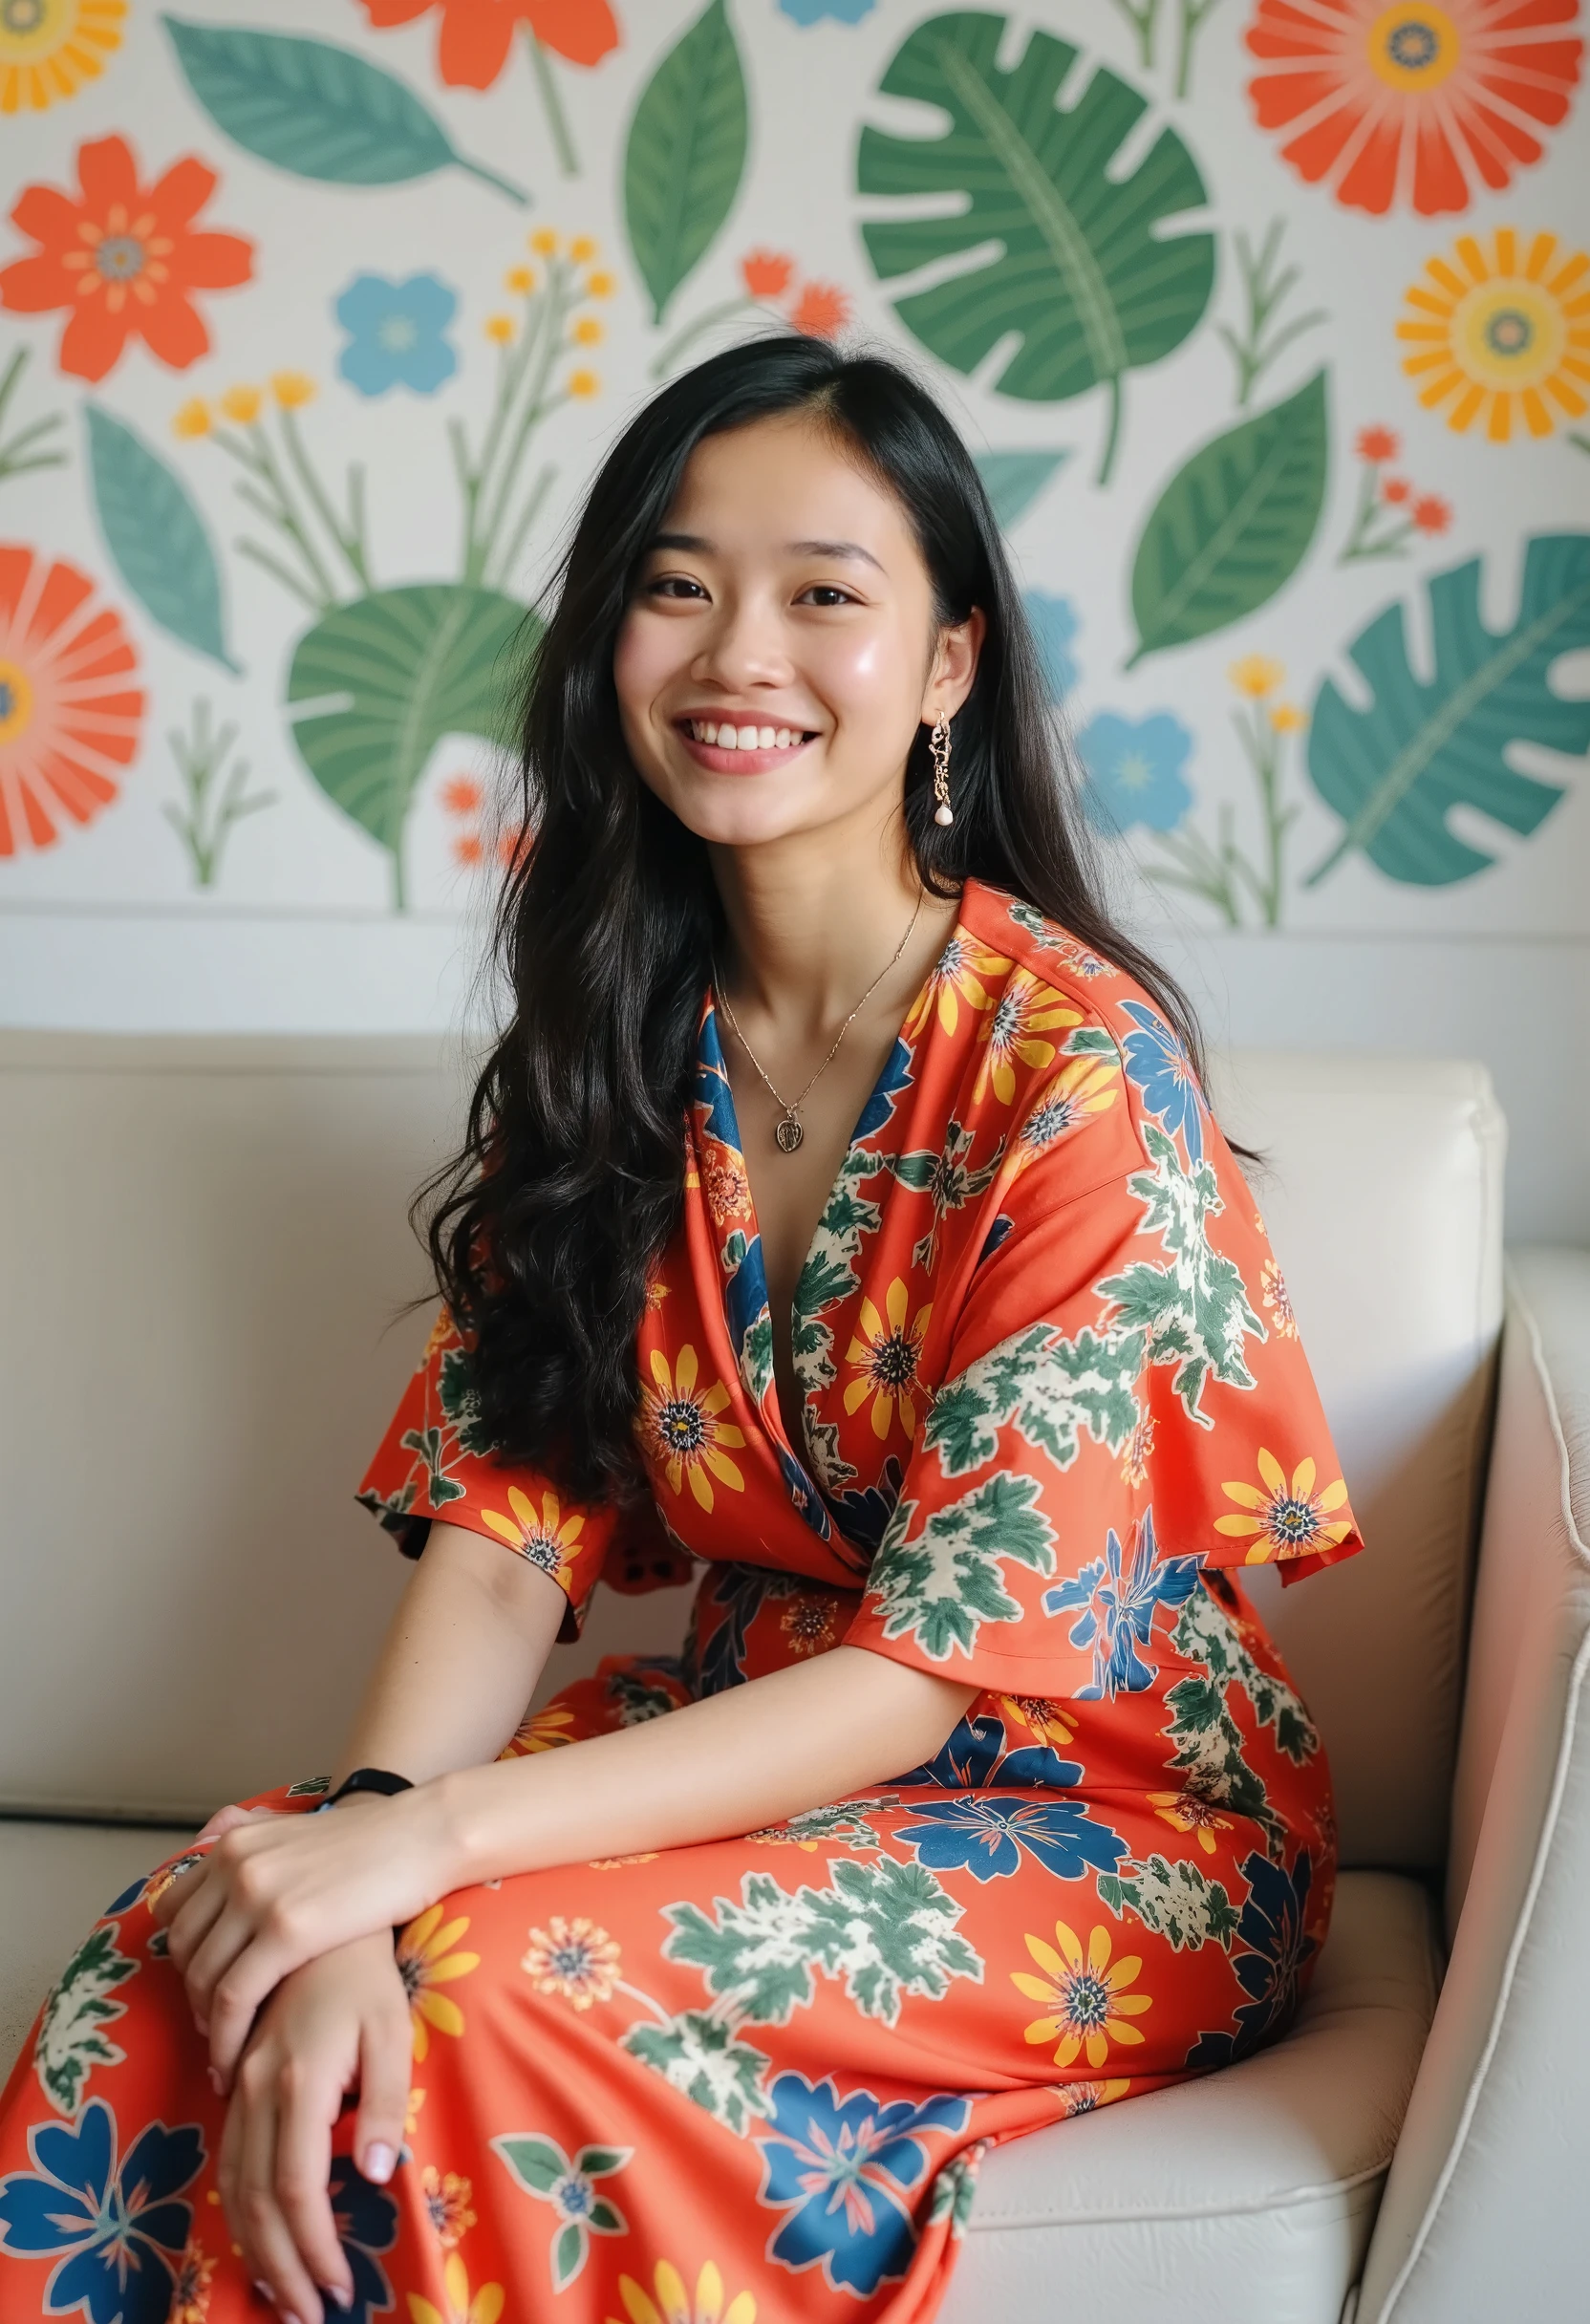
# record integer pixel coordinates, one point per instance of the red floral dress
(1054, 1397)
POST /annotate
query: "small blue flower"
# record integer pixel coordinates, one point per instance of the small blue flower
(395, 333)
(1273, 1924)
(366, 2223)
(1116, 1600)
(1157, 1063)
(843, 2168)
(812, 11)
(120, 2229)
(986, 1836)
(1055, 622)
(1135, 772)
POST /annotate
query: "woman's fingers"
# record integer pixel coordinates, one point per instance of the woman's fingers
(386, 2058)
(308, 2100)
(269, 2253)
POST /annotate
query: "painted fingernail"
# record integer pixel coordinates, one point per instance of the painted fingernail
(265, 2293)
(380, 2162)
(215, 2083)
(339, 2299)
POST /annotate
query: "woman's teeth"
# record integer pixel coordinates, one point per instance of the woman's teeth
(728, 737)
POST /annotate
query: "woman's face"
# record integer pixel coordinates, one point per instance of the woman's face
(785, 599)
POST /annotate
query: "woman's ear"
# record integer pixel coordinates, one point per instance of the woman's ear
(955, 664)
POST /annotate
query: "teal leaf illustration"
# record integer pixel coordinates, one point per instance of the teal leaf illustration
(1084, 266)
(1014, 480)
(382, 680)
(1233, 525)
(685, 154)
(1394, 771)
(316, 109)
(156, 536)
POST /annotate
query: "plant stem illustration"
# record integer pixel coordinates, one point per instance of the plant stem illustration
(1143, 15)
(1388, 514)
(1224, 873)
(215, 796)
(551, 104)
(1264, 291)
(26, 449)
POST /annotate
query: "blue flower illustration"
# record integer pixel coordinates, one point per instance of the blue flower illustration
(1055, 622)
(395, 333)
(864, 1512)
(1135, 772)
(366, 2223)
(1157, 1065)
(1116, 1597)
(812, 11)
(119, 2230)
(986, 1836)
(1273, 1924)
(843, 2168)
(967, 1762)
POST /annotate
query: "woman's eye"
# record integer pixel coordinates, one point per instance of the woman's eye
(669, 584)
(827, 592)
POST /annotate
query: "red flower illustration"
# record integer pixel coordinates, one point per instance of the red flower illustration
(766, 273)
(1430, 513)
(1376, 443)
(122, 258)
(68, 717)
(1396, 490)
(1410, 102)
(476, 35)
(821, 311)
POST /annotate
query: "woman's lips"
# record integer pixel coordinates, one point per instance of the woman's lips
(736, 760)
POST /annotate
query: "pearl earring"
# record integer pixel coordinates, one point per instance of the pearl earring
(939, 744)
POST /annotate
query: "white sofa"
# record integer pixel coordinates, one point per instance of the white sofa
(203, 1259)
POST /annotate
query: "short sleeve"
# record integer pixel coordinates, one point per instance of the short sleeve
(435, 1461)
(1124, 1401)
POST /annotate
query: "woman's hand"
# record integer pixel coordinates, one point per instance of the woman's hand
(271, 1895)
(343, 2019)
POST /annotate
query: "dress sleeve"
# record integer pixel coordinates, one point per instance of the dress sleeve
(1124, 1401)
(435, 1461)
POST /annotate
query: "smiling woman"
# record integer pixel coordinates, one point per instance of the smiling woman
(975, 1797)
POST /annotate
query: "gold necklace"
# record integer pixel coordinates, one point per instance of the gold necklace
(787, 1131)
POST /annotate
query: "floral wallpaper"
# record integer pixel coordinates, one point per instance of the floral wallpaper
(1268, 320)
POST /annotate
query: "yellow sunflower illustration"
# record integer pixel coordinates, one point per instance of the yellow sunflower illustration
(1085, 1086)
(1089, 2005)
(424, 1962)
(674, 2305)
(888, 1354)
(1501, 334)
(1043, 1718)
(1186, 1812)
(543, 1731)
(1026, 1011)
(546, 1539)
(963, 971)
(684, 1430)
(483, 2306)
(49, 47)
(1285, 1516)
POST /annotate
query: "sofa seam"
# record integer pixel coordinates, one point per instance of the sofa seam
(1297, 2199)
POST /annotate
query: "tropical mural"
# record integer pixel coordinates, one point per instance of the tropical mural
(1268, 320)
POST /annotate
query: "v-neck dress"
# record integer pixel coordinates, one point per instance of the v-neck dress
(1054, 1401)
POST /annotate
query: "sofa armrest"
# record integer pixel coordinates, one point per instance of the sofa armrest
(1480, 2216)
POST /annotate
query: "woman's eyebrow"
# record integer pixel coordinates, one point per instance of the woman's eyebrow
(698, 544)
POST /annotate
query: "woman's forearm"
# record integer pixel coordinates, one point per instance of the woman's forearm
(793, 1739)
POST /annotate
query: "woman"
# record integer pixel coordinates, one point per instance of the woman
(839, 1208)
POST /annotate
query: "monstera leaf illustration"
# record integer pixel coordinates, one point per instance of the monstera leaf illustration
(685, 154)
(1083, 269)
(1395, 770)
(382, 680)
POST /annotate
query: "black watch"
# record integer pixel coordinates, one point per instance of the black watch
(366, 1779)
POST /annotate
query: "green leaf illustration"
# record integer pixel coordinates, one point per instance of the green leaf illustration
(1084, 270)
(1014, 480)
(685, 154)
(1233, 525)
(156, 536)
(1394, 771)
(316, 109)
(383, 680)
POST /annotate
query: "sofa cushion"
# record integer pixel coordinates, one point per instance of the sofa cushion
(1246, 2196)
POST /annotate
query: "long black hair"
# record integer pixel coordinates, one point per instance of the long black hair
(545, 1227)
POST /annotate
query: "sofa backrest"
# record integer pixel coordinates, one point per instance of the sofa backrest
(204, 1258)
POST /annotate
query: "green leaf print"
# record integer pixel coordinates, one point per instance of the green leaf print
(941, 1584)
(1196, 1313)
(759, 1950)
(537, 2164)
(1210, 1744)
(1205, 1632)
(827, 1277)
(844, 1824)
(157, 538)
(1054, 1390)
(1233, 525)
(1395, 770)
(1176, 1901)
(889, 1930)
(1014, 480)
(568, 2184)
(460, 1406)
(72, 2040)
(702, 2057)
(685, 154)
(1073, 251)
(428, 1444)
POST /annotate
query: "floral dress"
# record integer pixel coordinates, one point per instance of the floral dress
(1054, 1401)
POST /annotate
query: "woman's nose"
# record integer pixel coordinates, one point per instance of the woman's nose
(746, 645)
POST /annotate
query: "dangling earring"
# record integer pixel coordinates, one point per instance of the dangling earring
(938, 743)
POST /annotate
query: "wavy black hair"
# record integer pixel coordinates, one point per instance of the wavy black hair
(570, 1178)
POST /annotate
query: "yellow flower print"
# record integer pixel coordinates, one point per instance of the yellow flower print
(583, 383)
(582, 249)
(546, 1540)
(544, 242)
(809, 1624)
(1495, 333)
(1085, 1086)
(888, 1355)
(521, 279)
(601, 285)
(50, 48)
(1041, 1716)
(657, 1291)
(411, 2114)
(423, 1963)
(1025, 1013)
(191, 2292)
(673, 2304)
(484, 2307)
(573, 1958)
(963, 971)
(499, 329)
(1088, 2002)
(1279, 1299)
(447, 2205)
(541, 1731)
(1285, 1516)
(1287, 718)
(1256, 675)
(1085, 2097)
(242, 404)
(684, 1430)
(291, 389)
(1186, 1812)
(1134, 1464)
(193, 419)
(586, 330)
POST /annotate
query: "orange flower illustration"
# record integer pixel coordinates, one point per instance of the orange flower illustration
(684, 1430)
(1279, 1299)
(447, 2205)
(1413, 102)
(1089, 2005)
(1083, 1086)
(69, 719)
(543, 1731)
(1026, 1011)
(1186, 1812)
(573, 1958)
(766, 273)
(547, 1540)
(1285, 1518)
(962, 972)
(190, 2290)
(888, 1356)
(476, 35)
(424, 1962)
(821, 311)
(122, 259)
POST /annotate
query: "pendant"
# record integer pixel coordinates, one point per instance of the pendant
(788, 1133)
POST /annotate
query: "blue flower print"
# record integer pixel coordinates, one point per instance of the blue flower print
(1157, 1063)
(1054, 624)
(1116, 1597)
(396, 333)
(366, 2223)
(864, 1512)
(121, 2230)
(843, 2168)
(967, 1762)
(813, 11)
(986, 1836)
(1135, 772)
(1273, 1925)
